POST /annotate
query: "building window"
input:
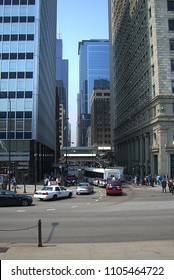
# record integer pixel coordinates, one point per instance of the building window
(171, 24)
(20, 94)
(31, 2)
(15, 2)
(172, 65)
(170, 5)
(152, 50)
(171, 44)
(19, 114)
(3, 115)
(28, 94)
(23, 2)
(28, 114)
(7, 2)
(153, 91)
(4, 75)
(13, 55)
(150, 12)
(5, 56)
(19, 135)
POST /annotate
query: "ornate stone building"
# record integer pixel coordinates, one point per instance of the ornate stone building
(142, 84)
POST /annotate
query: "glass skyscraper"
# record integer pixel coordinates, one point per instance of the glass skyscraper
(27, 87)
(93, 65)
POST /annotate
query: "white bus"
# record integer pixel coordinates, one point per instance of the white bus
(92, 174)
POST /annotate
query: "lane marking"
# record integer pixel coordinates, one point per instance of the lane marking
(75, 206)
(21, 211)
(51, 209)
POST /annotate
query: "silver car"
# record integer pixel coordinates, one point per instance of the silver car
(84, 188)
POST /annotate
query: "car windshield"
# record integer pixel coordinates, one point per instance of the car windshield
(83, 185)
(114, 184)
(47, 188)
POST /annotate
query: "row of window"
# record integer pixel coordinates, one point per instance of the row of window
(18, 75)
(16, 114)
(8, 56)
(16, 135)
(102, 94)
(17, 2)
(13, 94)
(17, 19)
(170, 25)
(17, 37)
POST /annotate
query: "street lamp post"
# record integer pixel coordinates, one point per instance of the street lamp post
(66, 157)
(9, 144)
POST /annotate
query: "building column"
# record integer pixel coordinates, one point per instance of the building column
(162, 156)
(147, 153)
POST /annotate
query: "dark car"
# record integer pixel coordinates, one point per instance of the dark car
(10, 198)
(114, 187)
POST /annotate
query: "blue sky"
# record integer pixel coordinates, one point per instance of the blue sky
(79, 20)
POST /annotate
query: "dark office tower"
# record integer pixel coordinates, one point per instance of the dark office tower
(27, 88)
(93, 65)
(62, 74)
(142, 85)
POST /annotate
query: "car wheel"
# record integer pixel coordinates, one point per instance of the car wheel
(25, 202)
(70, 194)
(55, 197)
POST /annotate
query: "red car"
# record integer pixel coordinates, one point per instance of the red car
(114, 187)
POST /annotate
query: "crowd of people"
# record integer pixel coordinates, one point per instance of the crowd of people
(152, 180)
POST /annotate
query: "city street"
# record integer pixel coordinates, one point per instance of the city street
(141, 214)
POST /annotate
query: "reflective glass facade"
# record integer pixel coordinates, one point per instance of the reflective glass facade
(27, 81)
(93, 65)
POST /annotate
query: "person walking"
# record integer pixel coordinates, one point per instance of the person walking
(164, 184)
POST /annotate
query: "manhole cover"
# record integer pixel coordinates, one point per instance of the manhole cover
(3, 249)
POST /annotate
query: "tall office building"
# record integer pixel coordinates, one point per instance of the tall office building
(142, 84)
(27, 87)
(62, 75)
(100, 114)
(62, 91)
(93, 65)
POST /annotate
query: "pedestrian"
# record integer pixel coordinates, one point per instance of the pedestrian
(164, 184)
(170, 184)
(13, 181)
(152, 181)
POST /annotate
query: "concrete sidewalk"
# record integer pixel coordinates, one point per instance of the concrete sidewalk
(147, 250)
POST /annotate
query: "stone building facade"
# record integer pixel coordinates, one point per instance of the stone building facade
(100, 117)
(142, 84)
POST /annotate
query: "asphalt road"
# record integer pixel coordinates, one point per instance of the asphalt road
(141, 214)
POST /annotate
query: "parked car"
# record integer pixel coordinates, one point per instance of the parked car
(84, 188)
(52, 192)
(10, 198)
(114, 187)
